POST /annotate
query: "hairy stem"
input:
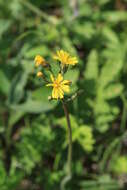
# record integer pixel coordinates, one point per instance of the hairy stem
(69, 159)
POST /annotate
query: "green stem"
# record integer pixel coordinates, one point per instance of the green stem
(69, 159)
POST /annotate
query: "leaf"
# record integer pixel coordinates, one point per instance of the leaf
(17, 87)
(110, 35)
(4, 83)
(115, 16)
(15, 116)
(33, 106)
(85, 31)
(68, 45)
(35, 141)
(55, 68)
(91, 71)
(108, 73)
(119, 165)
(16, 9)
(4, 25)
(103, 182)
(83, 135)
(38, 103)
(38, 50)
(72, 75)
(101, 106)
(113, 91)
(42, 93)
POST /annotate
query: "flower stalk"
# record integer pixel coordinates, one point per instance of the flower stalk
(69, 136)
(69, 158)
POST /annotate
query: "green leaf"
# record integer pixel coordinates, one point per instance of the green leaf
(15, 116)
(17, 87)
(108, 73)
(4, 83)
(115, 16)
(119, 165)
(91, 71)
(110, 35)
(113, 91)
(33, 106)
(35, 141)
(83, 135)
(103, 182)
(38, 50)
(42, 93)
(72, 75)
(4, 25)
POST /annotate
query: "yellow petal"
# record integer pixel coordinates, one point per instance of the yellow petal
(60, 93)
(72, 60)
(59, 53)
(65, 88)
(55, 57)
(57, 93)
(65, 58)
(66, 82)
(62, 53)
(52, 78)
(59, 78)
(53, 93)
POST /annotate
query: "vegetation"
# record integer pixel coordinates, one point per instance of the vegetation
(33, 130)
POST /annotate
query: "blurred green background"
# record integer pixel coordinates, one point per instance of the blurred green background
(33, 136)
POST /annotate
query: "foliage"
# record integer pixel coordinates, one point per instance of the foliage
(33, 142)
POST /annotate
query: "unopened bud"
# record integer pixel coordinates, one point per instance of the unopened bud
(39, 60)
(39, 74)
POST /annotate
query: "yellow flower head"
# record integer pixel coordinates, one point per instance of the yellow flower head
(65, 58)
(59, 86)
(39, 74)
(39, 60)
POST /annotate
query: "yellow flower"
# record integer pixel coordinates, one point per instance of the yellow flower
(59, 86)
(65, 58)
(39, 60)
(39, 74)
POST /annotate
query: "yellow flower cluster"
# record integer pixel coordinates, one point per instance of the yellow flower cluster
(59, 85)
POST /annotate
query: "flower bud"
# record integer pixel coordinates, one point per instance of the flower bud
(39, 60)
(39, 74)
